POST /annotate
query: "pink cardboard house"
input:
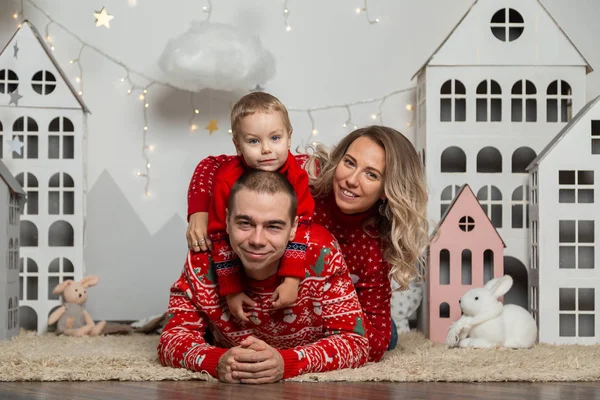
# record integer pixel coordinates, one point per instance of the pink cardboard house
(465, 252)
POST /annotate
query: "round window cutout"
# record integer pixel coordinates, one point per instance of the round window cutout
(9, 81)
(43, 82)
(507, 24)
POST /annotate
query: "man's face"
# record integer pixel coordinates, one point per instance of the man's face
(259, 227)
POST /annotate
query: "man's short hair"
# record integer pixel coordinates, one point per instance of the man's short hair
(264, 182)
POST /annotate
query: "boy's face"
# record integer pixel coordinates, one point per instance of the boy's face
(263, 141)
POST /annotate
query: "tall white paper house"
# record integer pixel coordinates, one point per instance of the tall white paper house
(12, 198)
(42, 145)
(490, 98)
(565, 219)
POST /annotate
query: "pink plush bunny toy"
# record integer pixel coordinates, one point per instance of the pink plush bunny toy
(73, 319)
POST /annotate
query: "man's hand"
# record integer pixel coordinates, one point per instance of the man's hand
(224, 369)
(197, 232)
(263, 364)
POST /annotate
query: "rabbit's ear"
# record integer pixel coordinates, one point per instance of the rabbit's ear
(91, 280)
(499, 286)
(62, 286)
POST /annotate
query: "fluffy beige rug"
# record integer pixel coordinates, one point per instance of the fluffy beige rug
(30, 357)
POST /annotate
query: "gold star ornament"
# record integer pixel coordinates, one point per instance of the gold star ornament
(212, 126)
(103, 18)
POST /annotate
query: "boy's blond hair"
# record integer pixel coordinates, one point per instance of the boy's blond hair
(258, 102)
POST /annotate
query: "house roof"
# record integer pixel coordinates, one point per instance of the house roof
(52, 59)
(10, 180)
(443, 219)
(574, 121)
(588, 66)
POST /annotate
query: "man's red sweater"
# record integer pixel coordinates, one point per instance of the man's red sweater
(226, 261)
(322, 331)
(362, 252)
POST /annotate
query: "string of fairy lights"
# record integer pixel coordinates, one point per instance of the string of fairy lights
(141, 91)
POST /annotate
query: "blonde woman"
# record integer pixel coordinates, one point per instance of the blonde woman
(370, 193)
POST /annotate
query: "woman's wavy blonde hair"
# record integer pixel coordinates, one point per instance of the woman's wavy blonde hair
(401, 224)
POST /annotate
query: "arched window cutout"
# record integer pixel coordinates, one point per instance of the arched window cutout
(28, 319)
(30, 185)
(444, 267)
(61, 198)
(490, 199)
(488, 266)
(520, 207)
(26, 126)
(29, 234)
(28, 279)
(488, 102)
(489, 160)
(61, 140)
(523, 102)
(448, 194)
(466, 267)
(559, 102)
(61, 234)
(444, 310)
(453, 101)
(521, 158)
(454, 159)
(9, 81)
(59, 270)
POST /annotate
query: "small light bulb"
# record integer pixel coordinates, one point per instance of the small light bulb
(196, 111)
(19, 26)
(205, 8)
(128, 91)
(285, 11)
(52, 48)
(148, 165)
(355, 127)
(230, 131)
(314, 143)
(48, 38)
(315, 131)
(80, 93)
(148, 194)
(358, 11)
(409, 107)
(77, 79)
(151, 148)
(145, 91)
(146, 105)
(373, 116)
(15, 15)
(142, 97)
(145, 128)
(122, 79)
(288, 28)
(377, 20)
(71, 62)
(344, 125)
(138, 173)
(194, 127)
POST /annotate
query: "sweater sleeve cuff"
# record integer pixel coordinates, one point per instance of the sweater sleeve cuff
(199, 203)
(210, 362)
(293, 363)
(294, 267)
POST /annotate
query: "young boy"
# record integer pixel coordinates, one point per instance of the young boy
(262, 137)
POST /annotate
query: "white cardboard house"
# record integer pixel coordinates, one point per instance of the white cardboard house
(565, 219)
(12, 198)
(42, 146)
(499, 87)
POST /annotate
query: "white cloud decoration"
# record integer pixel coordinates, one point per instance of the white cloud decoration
(216, 56)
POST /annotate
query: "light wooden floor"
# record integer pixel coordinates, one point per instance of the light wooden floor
(336, 391)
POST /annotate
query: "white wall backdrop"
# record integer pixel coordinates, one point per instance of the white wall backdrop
(331, 56)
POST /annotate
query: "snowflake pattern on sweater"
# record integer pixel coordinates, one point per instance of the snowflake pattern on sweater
(321, 331)
(362, 253)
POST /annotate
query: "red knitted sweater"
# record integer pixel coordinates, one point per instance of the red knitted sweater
(322, 331)
(226, 261)
(362, 252)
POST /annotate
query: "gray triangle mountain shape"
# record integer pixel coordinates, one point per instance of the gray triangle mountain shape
(135, 268)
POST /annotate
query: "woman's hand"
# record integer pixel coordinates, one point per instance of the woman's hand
(197, 235)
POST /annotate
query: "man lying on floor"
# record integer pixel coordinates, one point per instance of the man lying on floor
(321, 331)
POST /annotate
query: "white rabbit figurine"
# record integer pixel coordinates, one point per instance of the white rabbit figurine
(486, 322)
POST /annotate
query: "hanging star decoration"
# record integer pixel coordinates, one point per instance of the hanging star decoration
(258, 88)
(16, 145)
(103, 18)
(14, 97)
(15, 49)
(212, 126)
